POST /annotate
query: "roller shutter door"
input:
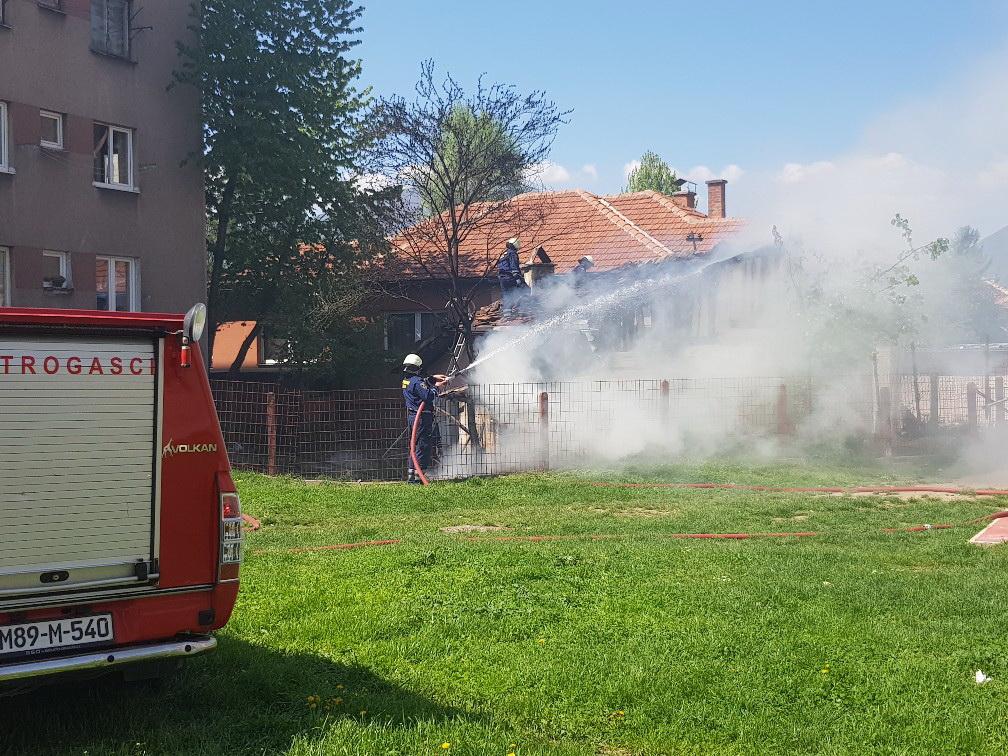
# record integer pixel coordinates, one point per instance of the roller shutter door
(77, 453)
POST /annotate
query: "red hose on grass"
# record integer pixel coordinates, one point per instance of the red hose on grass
(412, 445)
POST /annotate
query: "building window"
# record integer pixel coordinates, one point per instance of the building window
(110, 27)
(272, 350)
(55, 271)
(4, 167)
(3, 12)
(404, 330)
(4, 277)
(113, 156)
(52, 129)
(118, 284)
(54, 4)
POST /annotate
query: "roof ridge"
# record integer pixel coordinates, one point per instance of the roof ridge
(690, 215)
(622, 222)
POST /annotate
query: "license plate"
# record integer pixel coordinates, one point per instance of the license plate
(32, 638)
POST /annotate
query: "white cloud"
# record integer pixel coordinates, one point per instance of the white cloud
(700, 173)
(373, 182)
(629, 168)
(552, 175)
(994, 175)
(548, 173)
(940, 161)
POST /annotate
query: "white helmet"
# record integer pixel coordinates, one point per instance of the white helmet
(412, 361)
(513, 242)
(588, 261)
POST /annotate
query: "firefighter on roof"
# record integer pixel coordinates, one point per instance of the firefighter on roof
(580, 271)
(418, 390)
(509, 273)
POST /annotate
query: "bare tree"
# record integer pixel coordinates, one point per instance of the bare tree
(460, 157)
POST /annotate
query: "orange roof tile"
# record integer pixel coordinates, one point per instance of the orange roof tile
(615, 230)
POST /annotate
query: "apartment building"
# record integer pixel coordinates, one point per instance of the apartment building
(98, 207)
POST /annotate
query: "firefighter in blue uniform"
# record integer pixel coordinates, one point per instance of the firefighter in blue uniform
(509, 274)
(417, 390)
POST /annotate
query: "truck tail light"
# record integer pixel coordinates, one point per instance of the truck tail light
(231, 535)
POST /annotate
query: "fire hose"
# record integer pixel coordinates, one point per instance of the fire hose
(412, 445)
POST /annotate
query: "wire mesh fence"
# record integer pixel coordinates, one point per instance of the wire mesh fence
(497, 428)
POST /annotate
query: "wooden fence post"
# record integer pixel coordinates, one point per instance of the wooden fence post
(885, 414)
(544, 436)
(933, 415)
(999, 395)
(971, 406)
(663, 407)
(271, 433)
(784, 427)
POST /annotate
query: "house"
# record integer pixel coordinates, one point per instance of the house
(555, 230)
(617, 231)
(97, 210)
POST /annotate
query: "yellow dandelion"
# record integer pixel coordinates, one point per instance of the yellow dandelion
(541, 641)
(446, 745)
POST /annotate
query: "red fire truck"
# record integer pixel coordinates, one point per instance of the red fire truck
(120, 527)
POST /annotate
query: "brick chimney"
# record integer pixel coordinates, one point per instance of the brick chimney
(685, 199)
(715, 198)
(538, 268)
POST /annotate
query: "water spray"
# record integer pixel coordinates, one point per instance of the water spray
(627, 293)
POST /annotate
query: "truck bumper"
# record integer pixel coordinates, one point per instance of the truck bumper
(111, 657)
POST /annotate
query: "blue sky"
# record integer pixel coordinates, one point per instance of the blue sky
(752, 84)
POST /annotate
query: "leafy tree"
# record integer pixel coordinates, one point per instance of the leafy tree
(653, 173)
(491, 146)
(281, 117)
(463, 155)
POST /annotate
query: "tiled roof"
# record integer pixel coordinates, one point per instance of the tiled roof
(614, 230)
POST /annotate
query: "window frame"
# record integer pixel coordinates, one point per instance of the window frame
(58, 117)
(4, 139)
(64, 268)
(127, 54)
(5, 277)
(3, 13)
(110, 130)
(134, 282)
(262, 360)
(418, 335)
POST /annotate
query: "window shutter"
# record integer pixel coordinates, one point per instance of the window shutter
(99, 21)
(118, 27)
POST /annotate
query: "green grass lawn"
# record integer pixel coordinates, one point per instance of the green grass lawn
(853, 641)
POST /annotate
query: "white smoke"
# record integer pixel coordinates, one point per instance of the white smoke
(941, 162)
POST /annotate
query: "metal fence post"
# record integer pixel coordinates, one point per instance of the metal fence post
(971, 406)
(544, 437)
(271, 433)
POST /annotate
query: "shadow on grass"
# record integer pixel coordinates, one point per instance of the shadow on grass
(243, 698)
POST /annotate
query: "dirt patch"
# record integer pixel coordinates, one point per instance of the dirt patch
(796, 517)
(473, 528)
(908, 495)
(635, 512)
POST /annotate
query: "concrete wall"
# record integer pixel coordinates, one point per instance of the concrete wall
(51, 203)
